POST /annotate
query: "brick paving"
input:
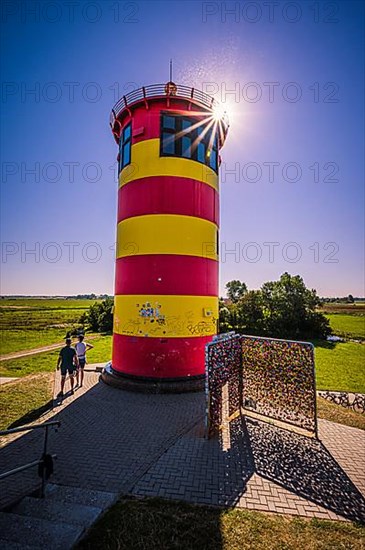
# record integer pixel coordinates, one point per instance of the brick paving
(154, 445)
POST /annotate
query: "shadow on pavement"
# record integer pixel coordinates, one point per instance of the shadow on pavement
(305, 467)
(216, 471)
(108, 438)
(32, 415)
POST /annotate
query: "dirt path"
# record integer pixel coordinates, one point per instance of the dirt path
(25, 353)
(6, 380)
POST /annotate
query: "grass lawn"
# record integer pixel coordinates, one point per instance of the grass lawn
(32, 323)
(340, 366)
(46, 362)
(156, 524)
(41, 362)
(102, 351)
(19, 340)
(24, 401)
(348, 326)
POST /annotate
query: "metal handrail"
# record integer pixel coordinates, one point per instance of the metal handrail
(46, 460)
(30, 427)
(22, 468)
(159, 90)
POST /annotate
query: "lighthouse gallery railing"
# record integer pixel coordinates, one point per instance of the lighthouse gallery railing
(159, 90)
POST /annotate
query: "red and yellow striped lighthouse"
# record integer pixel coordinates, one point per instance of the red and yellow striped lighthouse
(166, 284)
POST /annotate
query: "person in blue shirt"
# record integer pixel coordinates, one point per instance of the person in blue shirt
(68, 362)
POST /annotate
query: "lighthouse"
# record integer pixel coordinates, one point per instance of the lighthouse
(166, 277)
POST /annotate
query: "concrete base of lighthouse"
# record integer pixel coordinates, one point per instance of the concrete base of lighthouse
(151, 385)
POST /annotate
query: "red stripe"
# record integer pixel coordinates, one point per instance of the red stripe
(166, 274)
(168, 195)
(159, 358)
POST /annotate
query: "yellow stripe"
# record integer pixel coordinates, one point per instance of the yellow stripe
(146, 161)
(167, 234)
(159, 316)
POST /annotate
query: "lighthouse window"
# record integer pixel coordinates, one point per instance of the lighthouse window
(182, 137)
(169, 122)
(201, 152)
(168, 143)
(127, 132)
(186, 147)
(125, 147)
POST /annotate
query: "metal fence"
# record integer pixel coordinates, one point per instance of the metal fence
(278, 379)
(268, 377)
(222, 379)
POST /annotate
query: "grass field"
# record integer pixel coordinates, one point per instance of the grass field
(340, 366)
(157, 524)
(46, 362)
(348, 326)
(32, 323)
(23, 402)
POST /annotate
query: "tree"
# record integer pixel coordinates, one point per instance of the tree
(235, 290)
(250, 314)
(99, 317)
(283, 309)
(106, 316)
(224, 317)
(290, 309)
(350, 299)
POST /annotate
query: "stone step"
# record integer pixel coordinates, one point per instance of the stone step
(76, 495)
(55, 510)
(41, 533)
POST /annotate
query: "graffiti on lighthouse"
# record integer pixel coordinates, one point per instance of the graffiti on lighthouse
(151, 318)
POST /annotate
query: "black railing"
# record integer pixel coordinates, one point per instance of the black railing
(45, 463)
(164, 90)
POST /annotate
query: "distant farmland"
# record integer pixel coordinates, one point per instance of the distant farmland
(358, 308)
(27, 323)
(347, 320)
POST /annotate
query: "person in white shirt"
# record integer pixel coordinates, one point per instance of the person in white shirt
(81, 348)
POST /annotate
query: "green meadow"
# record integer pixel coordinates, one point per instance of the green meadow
(347, 325)
(340, 366)
(28, 323)
(46, 361)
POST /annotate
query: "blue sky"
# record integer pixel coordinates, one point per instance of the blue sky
(296, 155)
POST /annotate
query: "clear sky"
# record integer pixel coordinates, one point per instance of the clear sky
(291, 76)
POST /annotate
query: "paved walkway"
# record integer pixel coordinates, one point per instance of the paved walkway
(154, 445)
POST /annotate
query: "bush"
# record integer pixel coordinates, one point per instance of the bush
(99, 317)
